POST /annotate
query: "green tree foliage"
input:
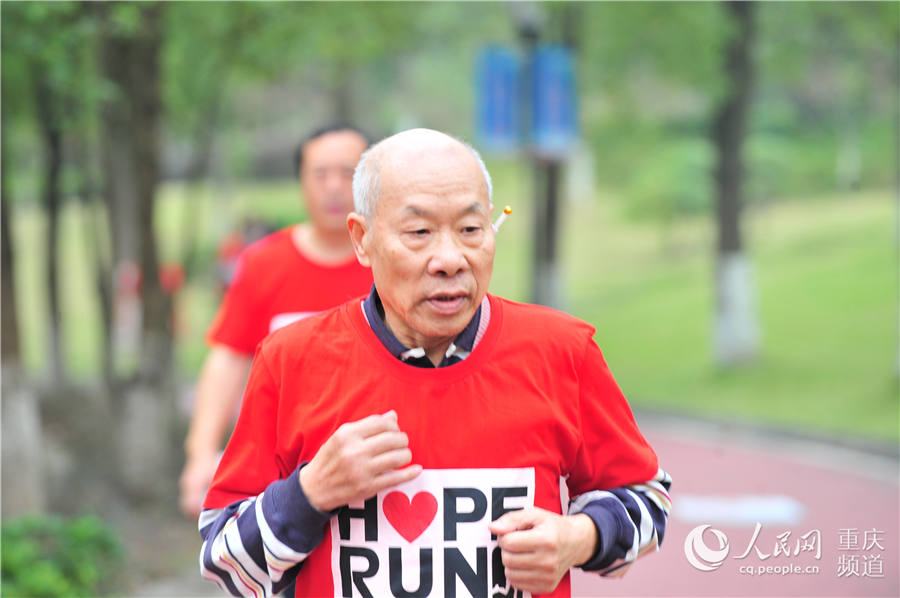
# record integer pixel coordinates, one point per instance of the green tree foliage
(211, 48)
(46, 51)
(205, 44)
(651, 74)
(51, 557)
(827, 97)
(677, 45)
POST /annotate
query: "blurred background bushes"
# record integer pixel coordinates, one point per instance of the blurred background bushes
(56, 557)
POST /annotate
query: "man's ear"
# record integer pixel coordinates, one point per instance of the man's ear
(359, 234)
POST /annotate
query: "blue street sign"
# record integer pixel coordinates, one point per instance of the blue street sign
(553, 110)
(498, 99)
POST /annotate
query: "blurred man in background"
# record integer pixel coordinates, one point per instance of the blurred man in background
(286, 276)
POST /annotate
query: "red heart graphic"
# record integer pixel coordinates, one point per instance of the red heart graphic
(410, 517)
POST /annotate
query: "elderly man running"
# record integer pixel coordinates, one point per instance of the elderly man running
(413, 443)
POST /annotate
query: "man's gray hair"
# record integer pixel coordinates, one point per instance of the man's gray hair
(366, 180)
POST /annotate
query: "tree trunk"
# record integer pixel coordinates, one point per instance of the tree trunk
(896, 66)
(23, 480)
(121, 196)
(9, 324)
(146, 413)
(51, 133)
(24, 489)
(737, 328)
(156, 346)
(131, 165)
(546, 288)
(96, 250)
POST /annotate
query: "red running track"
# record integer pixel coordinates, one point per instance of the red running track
(845, 502)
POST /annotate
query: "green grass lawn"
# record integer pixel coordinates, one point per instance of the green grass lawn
(826, 273)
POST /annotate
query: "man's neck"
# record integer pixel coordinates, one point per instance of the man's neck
(434, 351)
(436, 354)
(320, 246)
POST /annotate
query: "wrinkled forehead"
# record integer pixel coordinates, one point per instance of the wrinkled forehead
(445, 170)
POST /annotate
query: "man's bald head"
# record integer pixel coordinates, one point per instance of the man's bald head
(403, 151)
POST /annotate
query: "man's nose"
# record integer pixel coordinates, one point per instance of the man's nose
(448, 258)
(336, 182)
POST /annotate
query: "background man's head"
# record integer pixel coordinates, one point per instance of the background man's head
(423, 224)
(324, 162)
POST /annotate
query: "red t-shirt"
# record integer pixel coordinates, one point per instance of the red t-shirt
(274, 285)
(532, 405)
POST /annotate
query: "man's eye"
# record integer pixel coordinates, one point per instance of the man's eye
(471, 229)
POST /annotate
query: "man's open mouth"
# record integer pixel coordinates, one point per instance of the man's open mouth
(447, 303)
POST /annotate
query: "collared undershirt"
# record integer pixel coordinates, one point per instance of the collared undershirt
(458, 350)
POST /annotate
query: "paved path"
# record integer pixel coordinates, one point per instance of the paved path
(845, 502)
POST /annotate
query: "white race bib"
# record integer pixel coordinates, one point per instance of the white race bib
(429, 536)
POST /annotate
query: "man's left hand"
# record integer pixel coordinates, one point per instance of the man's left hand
(538, 547)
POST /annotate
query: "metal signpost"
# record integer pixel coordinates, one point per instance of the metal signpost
(532, 107)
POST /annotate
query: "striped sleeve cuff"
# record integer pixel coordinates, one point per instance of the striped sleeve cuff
(612, 541)
(630, 521)
(290, 524)
(255, 547)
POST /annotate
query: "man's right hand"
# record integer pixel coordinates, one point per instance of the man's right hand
(194, 482)
(358, 461)
(219, 387)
